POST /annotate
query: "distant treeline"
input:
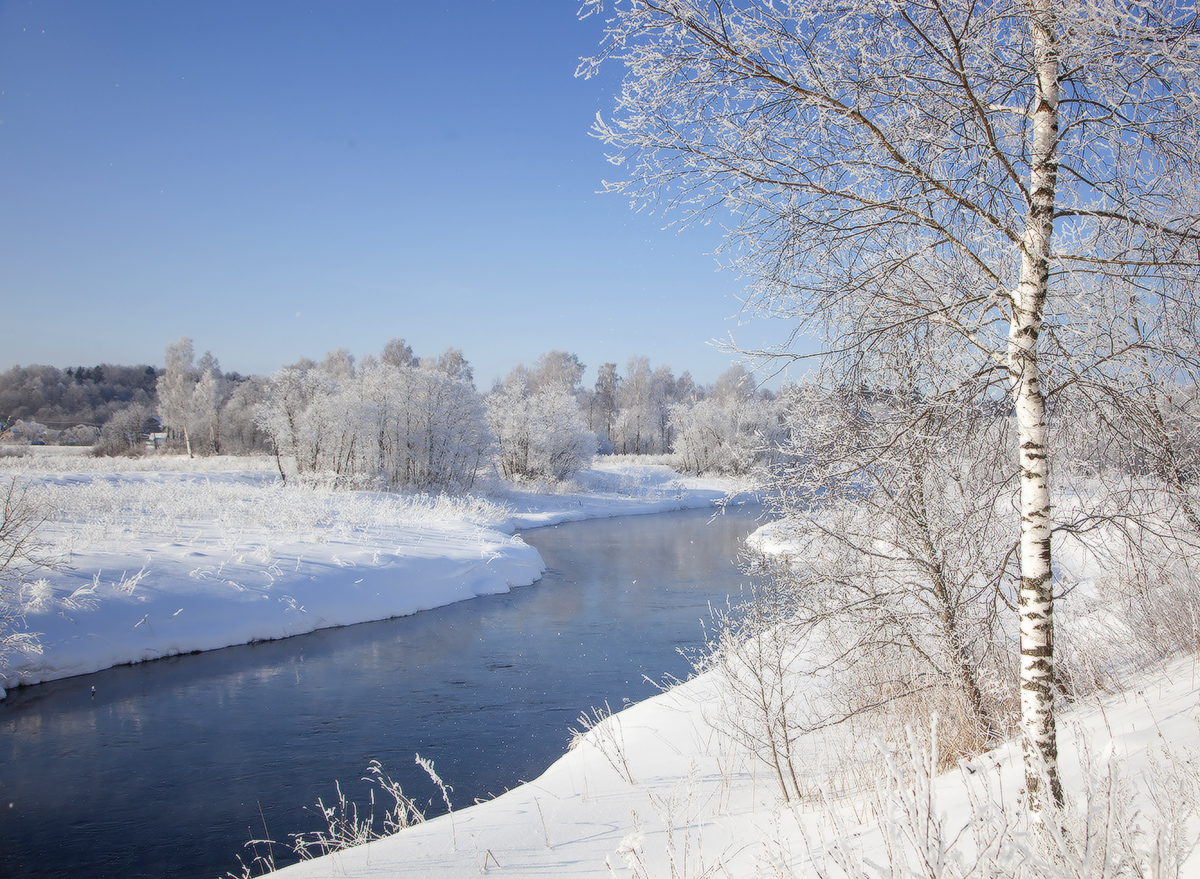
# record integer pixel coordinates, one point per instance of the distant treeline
(396, 419)
(62, 398)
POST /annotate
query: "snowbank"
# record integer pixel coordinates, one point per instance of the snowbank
(173, 559)
(659, 790)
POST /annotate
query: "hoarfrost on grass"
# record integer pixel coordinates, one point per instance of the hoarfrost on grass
(196, 554)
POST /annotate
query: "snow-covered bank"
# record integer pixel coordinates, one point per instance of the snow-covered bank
(659, 790)
(173, 559)
(669, 788)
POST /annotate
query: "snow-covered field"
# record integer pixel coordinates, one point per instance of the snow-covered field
(163, 556)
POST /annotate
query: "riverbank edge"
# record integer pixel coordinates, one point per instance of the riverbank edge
(664, 788)
(193, 605)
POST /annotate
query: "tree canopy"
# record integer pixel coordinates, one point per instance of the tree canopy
(1011, 184)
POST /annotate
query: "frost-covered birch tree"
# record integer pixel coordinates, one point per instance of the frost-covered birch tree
(175, 389)
(1020, 174)
(191, 397)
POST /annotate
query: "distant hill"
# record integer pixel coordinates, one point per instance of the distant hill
(63, 398)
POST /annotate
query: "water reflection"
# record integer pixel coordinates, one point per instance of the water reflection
(172, 765)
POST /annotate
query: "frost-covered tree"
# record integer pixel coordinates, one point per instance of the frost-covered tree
(209, 396)
(735, 384)
(1020, 174)
(451, 363)
(642, 425)
(731, 430)
(190, 398)
(239, 433)
(899, 518)
(557, 368)
(397, 352)
(684, 388)
(426, 429)
(292, 414)
(601, 405)
(175, 388)
(398, 426)
(539, 428)
(338, 364)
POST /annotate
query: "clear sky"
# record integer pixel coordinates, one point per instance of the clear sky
(279, 179)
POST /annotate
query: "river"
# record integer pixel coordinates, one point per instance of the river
(167, 768)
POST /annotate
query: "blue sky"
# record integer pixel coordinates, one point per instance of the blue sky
(278, 179)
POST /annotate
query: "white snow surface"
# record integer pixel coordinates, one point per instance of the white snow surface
(660, 791)
(168, 556)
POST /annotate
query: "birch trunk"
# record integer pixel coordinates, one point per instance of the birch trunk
(1036, 600)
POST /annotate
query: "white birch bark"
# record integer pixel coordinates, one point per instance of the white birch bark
(1036, 600)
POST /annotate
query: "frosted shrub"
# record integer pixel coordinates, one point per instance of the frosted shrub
(401, 426)
(23, 549)
(1099, 834)
(541, 433)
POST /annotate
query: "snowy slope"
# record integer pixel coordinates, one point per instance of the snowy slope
(664, 793)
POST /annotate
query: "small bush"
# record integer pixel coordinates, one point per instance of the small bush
(123, 435)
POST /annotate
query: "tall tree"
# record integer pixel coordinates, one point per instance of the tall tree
(643, 415)
(559, 368)
(1019, 177)
(175, 389)
(602, 403)
(452, 363)
(397, 352)
(209, 395)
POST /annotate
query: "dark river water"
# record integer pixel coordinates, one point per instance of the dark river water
(171, 766)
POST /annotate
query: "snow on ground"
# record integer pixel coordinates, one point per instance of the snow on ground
(660, 791)
(163, 556)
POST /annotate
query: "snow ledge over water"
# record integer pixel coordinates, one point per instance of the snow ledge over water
(165, 562)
